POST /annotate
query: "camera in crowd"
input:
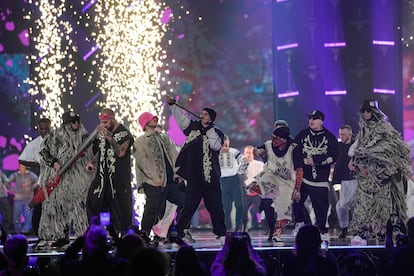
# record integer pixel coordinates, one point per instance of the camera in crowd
(240, 236)
(237, 238)
(175, 238)
(396, 235)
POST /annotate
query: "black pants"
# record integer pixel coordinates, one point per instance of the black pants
(232, 190)
(6, 210)
(266, 206)
(156, 198)
(252, 207)
(119, 205)
(37, 213)
(320, 202)
(212, 200)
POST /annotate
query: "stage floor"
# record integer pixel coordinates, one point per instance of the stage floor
(372, 256)
(206, 242)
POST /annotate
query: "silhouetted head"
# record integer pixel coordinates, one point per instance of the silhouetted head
(187, 262)
(16, 249)
(96, 241)
(129, 244)
(308, 240)
(149, 261)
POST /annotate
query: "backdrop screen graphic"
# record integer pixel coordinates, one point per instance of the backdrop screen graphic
(220, 54)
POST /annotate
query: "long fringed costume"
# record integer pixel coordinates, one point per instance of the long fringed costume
(382, 160)
(65, 207)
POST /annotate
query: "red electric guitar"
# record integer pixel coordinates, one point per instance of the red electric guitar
(53, 182)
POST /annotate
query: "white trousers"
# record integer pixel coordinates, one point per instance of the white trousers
(346, 202)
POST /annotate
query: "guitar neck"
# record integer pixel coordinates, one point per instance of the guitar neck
(81, 148)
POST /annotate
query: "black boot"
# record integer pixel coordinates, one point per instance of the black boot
(270, 234)
(344, 233)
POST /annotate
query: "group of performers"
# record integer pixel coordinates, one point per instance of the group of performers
(295, 169)
(78, 181)
(373, 171)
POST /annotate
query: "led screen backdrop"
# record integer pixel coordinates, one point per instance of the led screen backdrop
(239, 57)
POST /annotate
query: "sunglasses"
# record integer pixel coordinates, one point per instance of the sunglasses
(369, 110)
(314, 117)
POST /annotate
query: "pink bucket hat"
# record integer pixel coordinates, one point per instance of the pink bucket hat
(144, 119)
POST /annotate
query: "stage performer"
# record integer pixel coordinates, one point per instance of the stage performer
(233, 167)
(6, 209)
(344, 177)
(381, 160)
(30, 157)
(278, 178)
(111, 190)
(198, 163)
(155, 155)
(63, 210)
(24, 182)
(318, 150)
(252, 198)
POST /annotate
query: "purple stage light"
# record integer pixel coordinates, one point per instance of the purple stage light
(287, 46)
(91, 100)
(10, 26)
(383, 91)
(88, 5)
(24, 37)
(288, 94)
(279, 1)
(334, 44)
(383, 42)
(93, 50)
(166, 16)
(335, 92)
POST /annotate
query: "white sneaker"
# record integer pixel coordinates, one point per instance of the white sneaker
(188, 238)
(277, 238)
(221, 239)
(298, 225)
(357, 240)
(324, 245)
(325, 237)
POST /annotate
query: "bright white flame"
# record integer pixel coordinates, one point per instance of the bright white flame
(130, 34)
(53, 73)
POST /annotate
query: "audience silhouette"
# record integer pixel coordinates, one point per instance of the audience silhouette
(187, 263)
(237, 257)
(15, 250)
(95, 258)
(149, 261)
(308, 258)
(402, 261)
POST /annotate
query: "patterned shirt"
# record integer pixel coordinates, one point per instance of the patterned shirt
(23, 185)
(322, 146)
